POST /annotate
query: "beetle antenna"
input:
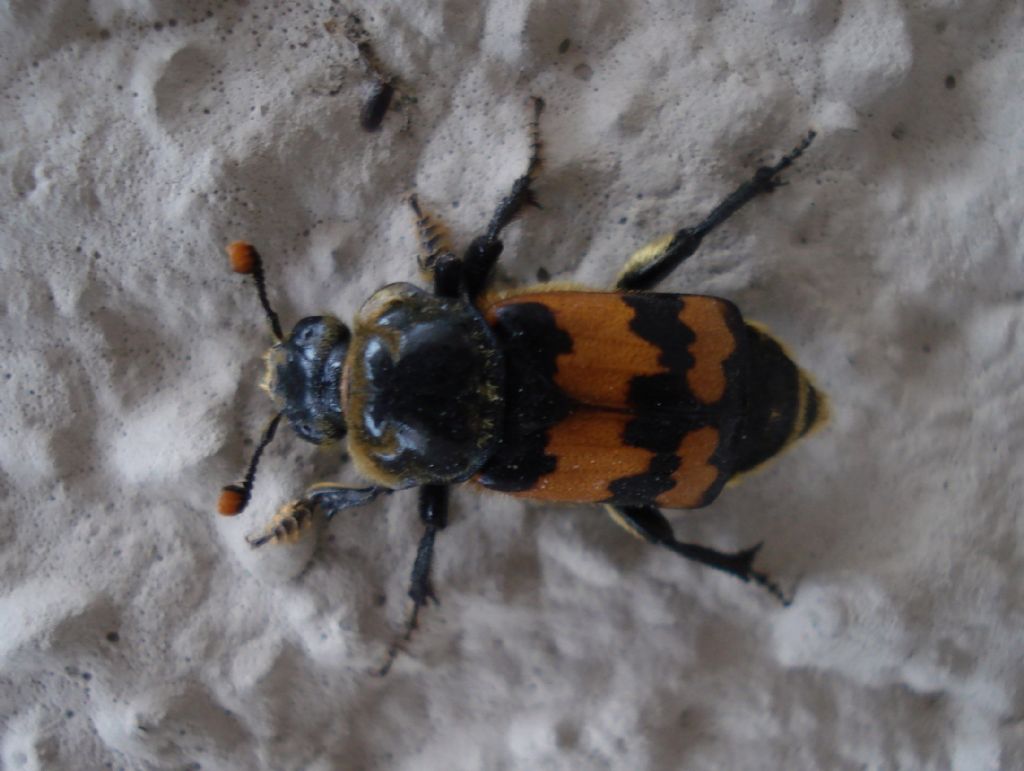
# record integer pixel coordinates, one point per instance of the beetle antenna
(246, 260)
(234, 498)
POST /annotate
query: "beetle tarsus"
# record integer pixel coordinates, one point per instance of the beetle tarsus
(521, 193)
(765, 582)
(743, 569)
(398, 645)
(421, 591)
(649, 523)
(433, 233)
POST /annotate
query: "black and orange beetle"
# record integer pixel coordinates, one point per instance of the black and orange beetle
(631, 399)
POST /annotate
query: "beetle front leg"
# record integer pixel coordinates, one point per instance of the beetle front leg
(434, 237)
(437, 262)
(649, 523)
(433, 507)
(485, 249)
(652, 263)
(293, 519)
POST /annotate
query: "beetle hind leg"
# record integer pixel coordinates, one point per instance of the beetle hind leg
(651, 264)
(648, 523)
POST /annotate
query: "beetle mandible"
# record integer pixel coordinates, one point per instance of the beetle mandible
(631, 399)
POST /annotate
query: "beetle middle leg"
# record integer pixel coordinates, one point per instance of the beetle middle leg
(652, 263)
(433, 507)
(485, 249)
(649, 523)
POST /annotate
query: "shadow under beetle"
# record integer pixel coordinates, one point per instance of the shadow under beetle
(628, 398)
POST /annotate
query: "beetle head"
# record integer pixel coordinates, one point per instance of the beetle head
(303, 377)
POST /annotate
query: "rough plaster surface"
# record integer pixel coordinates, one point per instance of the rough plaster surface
(137, 630)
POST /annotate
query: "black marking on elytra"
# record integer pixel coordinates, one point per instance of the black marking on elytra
(664, 404)
(666, 409)
(531, 343)
(645, 488)
(656, 321)
(729, 418)
(659, 430)
(772, 402)
(723, 458)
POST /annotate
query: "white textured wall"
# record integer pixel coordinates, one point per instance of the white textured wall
(139, 137)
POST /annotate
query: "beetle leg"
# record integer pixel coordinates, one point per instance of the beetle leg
(651, 264)
(293, 519)
(433, 506)
(649, 523)
(485, 249)
(433, 233)
(436, 260)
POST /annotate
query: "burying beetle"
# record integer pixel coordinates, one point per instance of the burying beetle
(628, 398)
